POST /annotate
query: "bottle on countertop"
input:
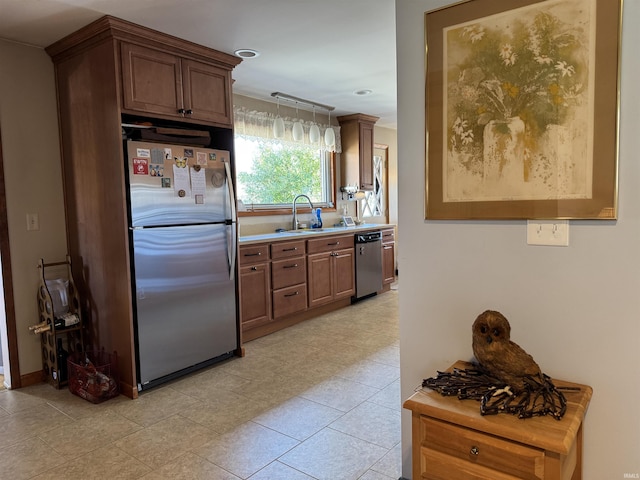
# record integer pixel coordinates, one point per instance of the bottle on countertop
(317, 223)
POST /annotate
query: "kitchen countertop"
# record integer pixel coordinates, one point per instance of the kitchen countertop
(310, 233)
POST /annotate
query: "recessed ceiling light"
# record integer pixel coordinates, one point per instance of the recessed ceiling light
(247, 53)
(363, 92)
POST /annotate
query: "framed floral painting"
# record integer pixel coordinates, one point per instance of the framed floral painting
(522, 109)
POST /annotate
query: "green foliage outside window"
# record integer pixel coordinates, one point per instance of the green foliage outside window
(278, 174)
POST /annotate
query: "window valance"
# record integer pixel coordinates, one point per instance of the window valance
(256, 125)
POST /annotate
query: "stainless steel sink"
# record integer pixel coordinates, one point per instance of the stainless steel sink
(305, 230)
(308, 230)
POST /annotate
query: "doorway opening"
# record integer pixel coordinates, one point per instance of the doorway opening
(8, 335)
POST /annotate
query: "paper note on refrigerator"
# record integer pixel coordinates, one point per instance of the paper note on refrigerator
(181, 183)
(198, 184)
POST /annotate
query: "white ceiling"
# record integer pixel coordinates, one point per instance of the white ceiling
(322, 51)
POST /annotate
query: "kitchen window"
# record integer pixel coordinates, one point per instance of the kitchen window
(270, 172)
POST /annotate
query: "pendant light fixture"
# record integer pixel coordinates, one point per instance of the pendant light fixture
(329, 134)
(278, 123)
(314, 131)
(298, 131)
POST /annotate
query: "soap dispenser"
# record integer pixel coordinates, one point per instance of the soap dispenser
(318, 220)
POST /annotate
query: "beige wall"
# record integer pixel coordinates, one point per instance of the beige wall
(33, 181)
(575, 308)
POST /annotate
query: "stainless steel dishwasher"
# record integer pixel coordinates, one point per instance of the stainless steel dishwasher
(368, 264)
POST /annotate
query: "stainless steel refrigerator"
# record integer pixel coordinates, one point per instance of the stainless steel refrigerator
(183, 235)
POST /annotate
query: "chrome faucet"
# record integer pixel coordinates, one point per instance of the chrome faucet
(294, 225)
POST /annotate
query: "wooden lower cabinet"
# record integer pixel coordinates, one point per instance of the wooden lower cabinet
(289, 278)
(289, 300)
(254, 286)
(331, 269)
(450, 439)
(285, 282)
(388, 256)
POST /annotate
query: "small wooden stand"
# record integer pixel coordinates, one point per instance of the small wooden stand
(72, 336)
(451, 439)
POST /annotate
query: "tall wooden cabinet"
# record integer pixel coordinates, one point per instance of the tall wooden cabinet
(107, 73)
(356, 132)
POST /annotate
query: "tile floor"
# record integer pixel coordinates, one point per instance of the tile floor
(319, 400)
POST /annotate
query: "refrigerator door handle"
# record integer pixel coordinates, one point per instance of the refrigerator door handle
(231, 249)
(231, 243)
(232, 197)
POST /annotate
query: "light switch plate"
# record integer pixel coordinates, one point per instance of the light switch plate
(33, 222)
(548, 232)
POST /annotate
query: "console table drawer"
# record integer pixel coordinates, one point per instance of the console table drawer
(476, 450)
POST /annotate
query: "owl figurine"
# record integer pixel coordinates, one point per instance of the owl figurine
(502, 358)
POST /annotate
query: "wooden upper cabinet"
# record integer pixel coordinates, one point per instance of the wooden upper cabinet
(151, 80)
(207, 92)
(158, 75)
(157, 82)
(356, 132)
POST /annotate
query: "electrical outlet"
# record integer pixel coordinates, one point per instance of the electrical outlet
(33, 223)
(548, 232)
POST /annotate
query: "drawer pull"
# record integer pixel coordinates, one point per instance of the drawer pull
(254, 269)
(334, 243)
(292, 294)
(474, 451)
(253, 254)
(290, 266)
(290, 249)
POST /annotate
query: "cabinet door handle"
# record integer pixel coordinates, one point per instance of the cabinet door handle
(474, 451)
(387, 247)
(290, 249)
(253, 254)
(334, 254)
(335, 243)
(189, 112)
(292, 294)
(290, 266)
(254, 269)
(182, 111)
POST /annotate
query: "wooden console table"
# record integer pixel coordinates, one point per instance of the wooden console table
(450, 439)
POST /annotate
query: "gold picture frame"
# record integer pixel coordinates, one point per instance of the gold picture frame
(522, 109)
